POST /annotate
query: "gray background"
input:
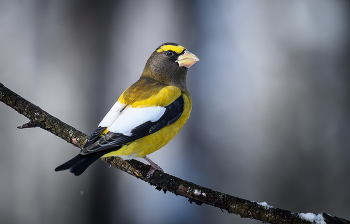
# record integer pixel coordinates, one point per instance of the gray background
(270, 119)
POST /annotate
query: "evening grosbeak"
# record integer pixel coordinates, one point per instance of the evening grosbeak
(146, 116)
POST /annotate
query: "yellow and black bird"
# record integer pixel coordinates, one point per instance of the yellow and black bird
(146, 116)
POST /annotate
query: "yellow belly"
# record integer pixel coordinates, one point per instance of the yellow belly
(150, 143)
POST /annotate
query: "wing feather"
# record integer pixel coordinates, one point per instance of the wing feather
(131, 117)
(94, 136)
(140, 129)
(112, 114)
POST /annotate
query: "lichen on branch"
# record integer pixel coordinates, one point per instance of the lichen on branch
(163, 181)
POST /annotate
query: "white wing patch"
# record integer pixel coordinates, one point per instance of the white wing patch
(112, 115)
(130, 118)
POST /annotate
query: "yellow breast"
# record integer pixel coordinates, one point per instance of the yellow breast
(155, 141)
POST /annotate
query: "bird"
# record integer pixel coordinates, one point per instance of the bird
(147, 115)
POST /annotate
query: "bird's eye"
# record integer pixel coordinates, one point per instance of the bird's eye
(169, 53)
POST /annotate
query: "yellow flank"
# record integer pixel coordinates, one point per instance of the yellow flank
(178, 49)
(104, 132)
(150, 143)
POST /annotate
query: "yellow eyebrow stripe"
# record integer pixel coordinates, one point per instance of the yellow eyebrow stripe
(178, 49)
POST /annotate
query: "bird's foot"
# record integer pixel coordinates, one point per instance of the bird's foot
(154, 167)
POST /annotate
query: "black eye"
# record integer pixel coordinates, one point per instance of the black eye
(169, 53)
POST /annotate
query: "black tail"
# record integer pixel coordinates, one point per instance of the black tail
(80, 163)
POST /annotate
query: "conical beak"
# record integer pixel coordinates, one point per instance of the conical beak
(187, 59)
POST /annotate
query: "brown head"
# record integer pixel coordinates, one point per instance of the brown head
(169, 64)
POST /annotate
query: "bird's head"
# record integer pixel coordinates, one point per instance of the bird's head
(169, 64)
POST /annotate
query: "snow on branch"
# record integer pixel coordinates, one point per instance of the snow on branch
(163, 181)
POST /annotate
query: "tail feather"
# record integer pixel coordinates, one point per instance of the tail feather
(80, 163)
(70, 163)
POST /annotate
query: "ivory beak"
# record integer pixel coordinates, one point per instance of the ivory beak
(187, 59)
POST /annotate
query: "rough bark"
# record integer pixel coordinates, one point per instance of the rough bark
(163, 181)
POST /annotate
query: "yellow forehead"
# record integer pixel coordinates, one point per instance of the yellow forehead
(178, 49)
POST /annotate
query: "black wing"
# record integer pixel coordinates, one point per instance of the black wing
(94, 136)
(110, 140)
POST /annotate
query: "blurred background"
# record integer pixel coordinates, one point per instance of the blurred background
(270, 119)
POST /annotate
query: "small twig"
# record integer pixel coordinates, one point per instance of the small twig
(162, 181)
(30, 124)
(40, 118)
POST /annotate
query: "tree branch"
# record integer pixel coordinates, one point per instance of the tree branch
(162, 181)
